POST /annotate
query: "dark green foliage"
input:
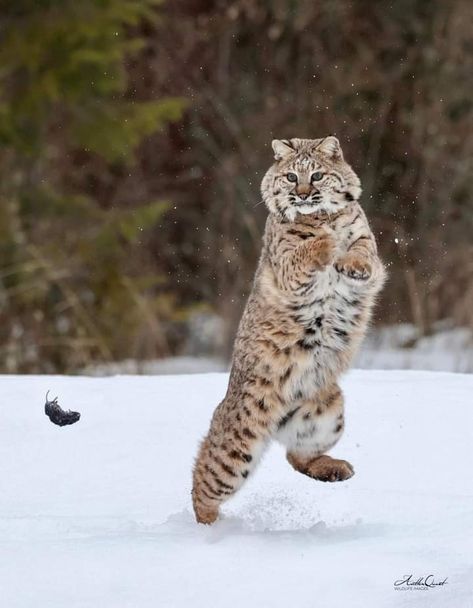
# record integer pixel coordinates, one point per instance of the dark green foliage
(76, 281)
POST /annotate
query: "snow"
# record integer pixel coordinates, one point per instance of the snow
(99, 513)
(399, 346)
(167, 365)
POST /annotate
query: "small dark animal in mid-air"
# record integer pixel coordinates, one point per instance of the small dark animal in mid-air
(57, 415)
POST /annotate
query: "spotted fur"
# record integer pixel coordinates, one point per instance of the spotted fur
(312, 297)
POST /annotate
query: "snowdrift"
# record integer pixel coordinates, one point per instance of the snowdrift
(99, 513)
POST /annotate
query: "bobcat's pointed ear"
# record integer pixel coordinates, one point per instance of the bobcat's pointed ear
(281, 148)
(331, 147)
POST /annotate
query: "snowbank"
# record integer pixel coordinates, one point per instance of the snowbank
(98, 514)
(449, 349)
(399, 347)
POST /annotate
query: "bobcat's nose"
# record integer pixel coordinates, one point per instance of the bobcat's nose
(303, 191)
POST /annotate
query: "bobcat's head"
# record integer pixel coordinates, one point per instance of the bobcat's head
(310, 176)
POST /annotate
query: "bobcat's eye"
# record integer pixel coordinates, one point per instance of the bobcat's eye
(291, 177)
(317, 176)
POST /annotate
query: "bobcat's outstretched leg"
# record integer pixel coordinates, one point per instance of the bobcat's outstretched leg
(315, 427)
(226, 458)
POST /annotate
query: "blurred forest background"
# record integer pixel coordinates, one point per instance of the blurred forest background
(134, 135)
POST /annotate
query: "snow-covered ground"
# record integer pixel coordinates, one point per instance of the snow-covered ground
(99, 515)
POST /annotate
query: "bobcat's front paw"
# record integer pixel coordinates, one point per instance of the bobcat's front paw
(354, 267)
(322, 250)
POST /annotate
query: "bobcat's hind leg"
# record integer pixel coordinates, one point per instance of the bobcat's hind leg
(314, 428)
(226, 458)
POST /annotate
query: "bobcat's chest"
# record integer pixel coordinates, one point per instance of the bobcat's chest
(328, 312)
(328, 315)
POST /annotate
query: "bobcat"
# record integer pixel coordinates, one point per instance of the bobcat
(313, 293)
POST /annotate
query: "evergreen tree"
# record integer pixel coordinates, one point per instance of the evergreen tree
(74, 283)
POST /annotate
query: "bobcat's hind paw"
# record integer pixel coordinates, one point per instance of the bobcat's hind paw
(333, 470)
